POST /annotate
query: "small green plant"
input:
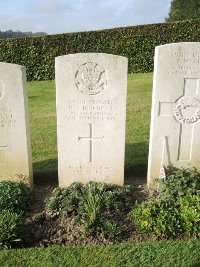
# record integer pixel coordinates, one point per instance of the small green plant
(190, 214)
(14, 196)
(180, 182)
(168, 218)
(91, 209)
(92, 214)
(91, 204)
(65, 201)
(11, 224)
(117, 197)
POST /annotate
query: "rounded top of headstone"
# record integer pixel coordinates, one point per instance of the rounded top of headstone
(180, 44)
(105, 55)
(11, 65)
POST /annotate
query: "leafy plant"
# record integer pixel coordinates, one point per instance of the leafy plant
(168, 218)
(65, 201)
(117, 197)
(92, 212)
(183, 10)
(69, 200)
(11, 224)
(190, 214)
(91, 204)
(14, 196)
(180, 182)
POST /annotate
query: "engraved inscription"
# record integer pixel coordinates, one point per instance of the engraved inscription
(2, 89)
(91, 78)
(93, 171)
(91, 139)
(185, 64)
(91, 109)
(186, 102)
(7, 118)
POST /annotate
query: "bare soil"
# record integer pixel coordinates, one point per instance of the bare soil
(44, 230)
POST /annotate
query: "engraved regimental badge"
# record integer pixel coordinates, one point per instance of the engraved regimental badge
(189, 106)
(1, 89)
(91, 78)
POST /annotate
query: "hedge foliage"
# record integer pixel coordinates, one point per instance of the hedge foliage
(137, 43)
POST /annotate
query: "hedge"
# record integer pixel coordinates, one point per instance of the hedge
(137, 43)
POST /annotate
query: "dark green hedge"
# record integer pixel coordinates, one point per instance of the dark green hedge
(137, 43)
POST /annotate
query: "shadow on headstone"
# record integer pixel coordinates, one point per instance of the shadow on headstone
(46, 172)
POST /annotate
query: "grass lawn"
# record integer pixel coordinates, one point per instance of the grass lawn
(157, 254)
(42, 108)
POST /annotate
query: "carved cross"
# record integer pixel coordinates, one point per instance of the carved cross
(188, 101)
(90, 138)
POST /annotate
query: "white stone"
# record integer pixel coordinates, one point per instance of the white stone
(91, 111)
(175, 118)
(15, 148)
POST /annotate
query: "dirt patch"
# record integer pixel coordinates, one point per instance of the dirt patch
(42, 230)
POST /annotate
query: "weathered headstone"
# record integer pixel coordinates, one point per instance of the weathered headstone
(91, 111)
(175, 119)
(15, 148)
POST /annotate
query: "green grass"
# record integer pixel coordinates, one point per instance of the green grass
(42, 109)
(138, 120)
(42, 114)
(162, 254)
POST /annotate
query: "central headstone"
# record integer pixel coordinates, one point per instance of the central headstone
(91, 112)
(175, 120)
(15, 146)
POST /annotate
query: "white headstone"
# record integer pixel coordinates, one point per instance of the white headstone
(15, 148)
(91, 111)
(175, 118)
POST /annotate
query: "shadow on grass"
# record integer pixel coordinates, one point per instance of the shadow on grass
(137, 171)
(136, 159)
(33, 97)
(46, 172)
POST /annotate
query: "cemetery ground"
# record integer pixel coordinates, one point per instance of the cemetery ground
(128, 249)
(42, 111)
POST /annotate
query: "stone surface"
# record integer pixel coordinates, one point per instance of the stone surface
(15, 148)
(175, 118)
(91, 111)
